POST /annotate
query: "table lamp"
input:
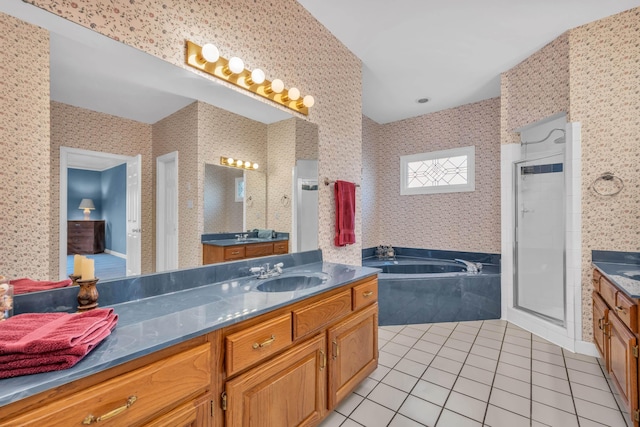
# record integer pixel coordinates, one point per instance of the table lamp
(87, 205)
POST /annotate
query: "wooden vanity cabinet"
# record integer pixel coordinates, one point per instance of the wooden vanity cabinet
(333, 347)
(615, 326)
(212, 254)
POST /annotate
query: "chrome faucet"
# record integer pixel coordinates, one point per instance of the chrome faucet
(241, 236)
(472, 267)
(263, 272)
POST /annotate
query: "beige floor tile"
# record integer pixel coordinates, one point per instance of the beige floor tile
(335, 419)
(431, 392)
(449, 419)
(488, 342)
(410, 367)
(498, 417)
(349, 404)
(512, 385)
(516, 372)
(481, 362)
(467, 406)
(543, 356)
(510, 402)
(404, 340)
(472, 389)
(477, 374)
(598, 413)
(411, 332)
(401, 421)
(549, 369)
(387, 396)
(552, 416)
(487, 352)
(371, 414)
(522, 342)
(458, 345)
(437, 376)
(519, 350)
(595, 381)
(419, 356)
(444, 364)
(396, 349)
(427, 346)
(552, 398)
(515, 360)
(579, 365)
(453, 354)
(420, 410)
(400, 380)
(550, 383)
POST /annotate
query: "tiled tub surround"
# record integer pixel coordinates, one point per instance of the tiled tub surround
(161, 310)
(436, 297)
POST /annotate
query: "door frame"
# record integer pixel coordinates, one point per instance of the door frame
(161, 163)
(64, 166)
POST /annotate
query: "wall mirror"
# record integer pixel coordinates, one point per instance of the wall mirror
(93, 72)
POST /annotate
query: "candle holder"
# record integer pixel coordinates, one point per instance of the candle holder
(88, 294)
(74, 279)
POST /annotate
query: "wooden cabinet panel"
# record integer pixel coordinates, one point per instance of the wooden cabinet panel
(313, 317)
(85, 237)
(600, 311)
(627, 311)
(596, 280)
(608, 292)
(353, 352)
(365, 294)
(623, 365)
(281, 247)
(196, 413)
(289, 390)
(258, 249)
(251, 345)
(234, 252)
(140, 394)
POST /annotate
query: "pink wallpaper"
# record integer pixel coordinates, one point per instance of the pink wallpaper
(265, 35)
(467, 221)
(370, 215)
(25, 197)
(75, 127)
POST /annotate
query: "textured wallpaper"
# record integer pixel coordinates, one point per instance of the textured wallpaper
(25, 198)
(370, 216)
(306, 140)
(222, 214)
(179, 132)
(536, 88)
(265, 35)
(468, 221)
(605, 98)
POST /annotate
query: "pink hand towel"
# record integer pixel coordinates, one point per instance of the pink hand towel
(24, 285)
(36, 333)
(345, 196)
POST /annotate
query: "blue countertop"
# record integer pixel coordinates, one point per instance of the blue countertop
(151, 324)
(248, 241)
(621, 268)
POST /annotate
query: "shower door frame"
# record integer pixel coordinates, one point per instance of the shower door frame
(516, 258)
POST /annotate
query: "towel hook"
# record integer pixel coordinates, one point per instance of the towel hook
(607, 176)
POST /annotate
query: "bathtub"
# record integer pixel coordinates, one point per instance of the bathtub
(417, 287)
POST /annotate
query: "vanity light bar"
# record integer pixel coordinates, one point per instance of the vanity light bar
(242, 164)
(208, 59)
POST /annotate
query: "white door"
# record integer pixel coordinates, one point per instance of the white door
(167, 212)
(134, 222)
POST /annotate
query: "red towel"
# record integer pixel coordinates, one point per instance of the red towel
(24, 285)
(42, 342)
(345, 194)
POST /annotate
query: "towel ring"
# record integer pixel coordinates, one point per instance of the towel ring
(607, 176)
(285, 201)
(249, 201)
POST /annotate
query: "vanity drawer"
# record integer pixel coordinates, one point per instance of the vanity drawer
(281, 247)
(139, 393)
(365, 294)
(596, 279)
(256, 343)
(234, 252)
(608, 292)
(627, 311)
(313, 317)
(258, 249)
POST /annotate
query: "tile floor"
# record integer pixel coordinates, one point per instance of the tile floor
(484, 373)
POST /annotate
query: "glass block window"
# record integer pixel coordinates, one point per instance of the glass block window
(446, 171)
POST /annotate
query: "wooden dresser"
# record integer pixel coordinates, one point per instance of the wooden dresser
(615, 333)
(85, 237)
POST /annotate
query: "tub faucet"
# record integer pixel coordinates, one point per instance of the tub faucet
(472, 267)
(385, 252)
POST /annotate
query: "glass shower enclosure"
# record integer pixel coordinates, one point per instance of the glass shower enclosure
(539, 250)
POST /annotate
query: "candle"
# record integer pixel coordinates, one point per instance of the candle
(88, 269)
(77, 265)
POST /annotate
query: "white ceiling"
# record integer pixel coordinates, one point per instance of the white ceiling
(450, 51)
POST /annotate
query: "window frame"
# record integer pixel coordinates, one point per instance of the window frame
(469, 151)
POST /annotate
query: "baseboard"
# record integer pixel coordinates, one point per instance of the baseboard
(587, 348)
(114, 253)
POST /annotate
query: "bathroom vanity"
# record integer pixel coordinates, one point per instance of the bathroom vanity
(616, 329)
(285, 357)
(226, 247)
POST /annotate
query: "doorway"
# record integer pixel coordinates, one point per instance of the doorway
(167, 212)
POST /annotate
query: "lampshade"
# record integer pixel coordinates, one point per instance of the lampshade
(86, 204)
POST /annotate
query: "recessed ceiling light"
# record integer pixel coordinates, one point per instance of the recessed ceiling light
(423, 100)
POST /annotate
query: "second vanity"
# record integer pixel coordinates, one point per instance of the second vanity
(225, 353)
(228, 247)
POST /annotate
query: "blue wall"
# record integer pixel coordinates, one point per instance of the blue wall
(83, 184)
(108, 190)
(114, 205)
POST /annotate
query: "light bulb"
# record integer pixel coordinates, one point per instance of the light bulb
(239, 162)
(236, 66)
(257, 77)
(293, 94)
(276, 86)
(308, 101)
(210, 53)
(230, 161)
(255, 166)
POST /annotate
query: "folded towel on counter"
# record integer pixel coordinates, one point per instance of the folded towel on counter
(345, 196)
(36, 333)
(42, 342)
(24, 285)
(265, 234)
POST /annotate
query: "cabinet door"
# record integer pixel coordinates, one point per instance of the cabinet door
(600, 312)
(623, 365)
(353, 352)
(289, 390)
(192, 414)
